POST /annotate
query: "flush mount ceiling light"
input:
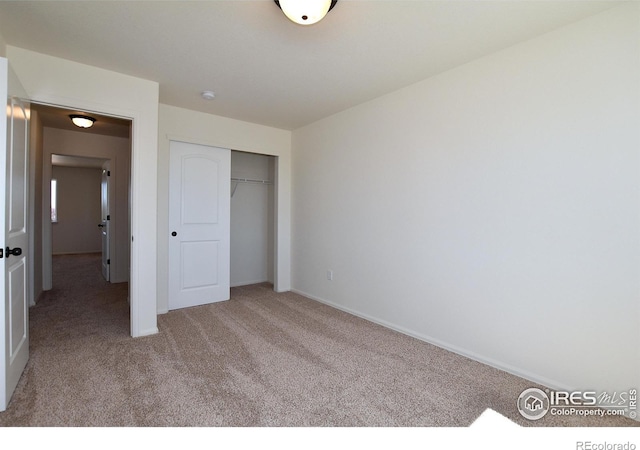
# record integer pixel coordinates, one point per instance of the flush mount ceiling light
(82, 121)
(208, 95)
(305, 12)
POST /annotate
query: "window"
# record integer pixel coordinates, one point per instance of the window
(54, 200)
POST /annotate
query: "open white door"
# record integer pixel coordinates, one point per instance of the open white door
(199, 224)
(105, 220)
(14, 338)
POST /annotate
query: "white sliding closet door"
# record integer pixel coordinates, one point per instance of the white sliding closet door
(199, 224)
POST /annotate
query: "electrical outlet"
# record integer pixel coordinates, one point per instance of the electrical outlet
(330, 275)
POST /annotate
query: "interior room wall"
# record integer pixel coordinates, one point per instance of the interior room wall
(492, 209)
(79, 206)
(251, 250)
(77, 143)
(35, 202)
(180, 124)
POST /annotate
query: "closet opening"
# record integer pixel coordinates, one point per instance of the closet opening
(252, 218)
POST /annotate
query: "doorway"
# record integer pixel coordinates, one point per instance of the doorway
(252, 218)
(60, 147)
(80, 207)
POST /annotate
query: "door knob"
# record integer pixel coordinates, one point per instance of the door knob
(174, 234)
(13, 251)
(101, 225)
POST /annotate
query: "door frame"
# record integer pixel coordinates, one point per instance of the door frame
(50, 80)
(46, 229)
(47, 232)
(281, 210)
(105, 218)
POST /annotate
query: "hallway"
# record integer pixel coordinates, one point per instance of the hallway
(81, 302)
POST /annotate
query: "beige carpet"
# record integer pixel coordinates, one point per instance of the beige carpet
(260, 359)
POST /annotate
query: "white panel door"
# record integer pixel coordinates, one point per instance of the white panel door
(14, 338)
(105, 220)
(199, 224)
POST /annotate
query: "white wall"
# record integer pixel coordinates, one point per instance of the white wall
(493, 209)
(55, 81)
(115, 149)
(3, 47)
(251, 230)
(79, 207)
(36, 145)
(199, 128)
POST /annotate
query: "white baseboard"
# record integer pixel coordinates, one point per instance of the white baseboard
(533, 377)
(148, 332)
(525, 374)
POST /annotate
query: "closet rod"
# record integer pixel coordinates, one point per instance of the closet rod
(248, 180)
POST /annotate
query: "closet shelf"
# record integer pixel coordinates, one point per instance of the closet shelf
(249, 180)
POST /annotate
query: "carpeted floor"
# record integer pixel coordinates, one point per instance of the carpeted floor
(259, 359)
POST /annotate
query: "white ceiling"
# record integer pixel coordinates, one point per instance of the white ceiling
(267, 70)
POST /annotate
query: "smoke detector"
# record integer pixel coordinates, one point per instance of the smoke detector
(208, 95)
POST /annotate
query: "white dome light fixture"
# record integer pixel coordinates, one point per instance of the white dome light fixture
(82, 121)
(208, 95)
(305, 12)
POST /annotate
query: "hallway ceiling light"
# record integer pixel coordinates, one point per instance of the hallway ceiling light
(82, 121)
(306, 12)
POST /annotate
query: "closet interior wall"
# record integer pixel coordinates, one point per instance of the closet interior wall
(252, 218)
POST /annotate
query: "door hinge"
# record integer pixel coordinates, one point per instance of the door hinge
(108, 261)
(108, 173)
(108, 217)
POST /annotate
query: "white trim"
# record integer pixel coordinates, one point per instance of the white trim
(48, 79)
(281, 265)
(4, 81)
(135, 117)
(529, 376)
(534, 378)
(217, 143)
(148, 332)
(47, 225)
